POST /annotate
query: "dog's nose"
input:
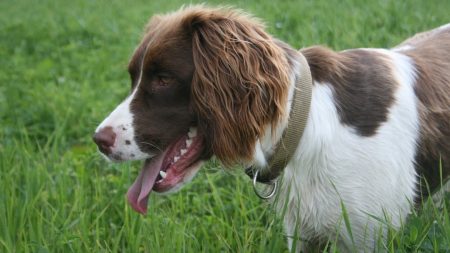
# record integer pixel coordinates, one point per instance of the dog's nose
(104, 139)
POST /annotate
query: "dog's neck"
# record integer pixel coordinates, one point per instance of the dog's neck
(265, 146)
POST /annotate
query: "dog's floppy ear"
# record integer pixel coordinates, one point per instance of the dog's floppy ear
(240, 81)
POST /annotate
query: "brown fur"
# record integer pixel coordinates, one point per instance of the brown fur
(431, 54)
(362, 82)
(240, 81)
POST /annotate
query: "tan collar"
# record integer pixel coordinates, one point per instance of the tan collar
(296, 125)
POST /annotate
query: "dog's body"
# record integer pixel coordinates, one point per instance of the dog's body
(212, 82)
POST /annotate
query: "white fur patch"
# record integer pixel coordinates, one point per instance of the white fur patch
(403, 48)
(372, 176)
(121, 121)
(444, 27)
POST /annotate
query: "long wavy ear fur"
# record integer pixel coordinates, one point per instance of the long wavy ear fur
(240, 83)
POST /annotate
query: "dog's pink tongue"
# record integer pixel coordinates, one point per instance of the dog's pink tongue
(141, 188)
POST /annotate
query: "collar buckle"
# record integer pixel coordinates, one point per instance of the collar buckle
(264, 195)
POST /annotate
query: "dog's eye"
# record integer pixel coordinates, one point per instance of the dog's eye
(164, 80)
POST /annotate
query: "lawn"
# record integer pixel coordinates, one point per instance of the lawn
(63, 69)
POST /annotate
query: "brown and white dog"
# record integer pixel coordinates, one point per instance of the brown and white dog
(211, 81)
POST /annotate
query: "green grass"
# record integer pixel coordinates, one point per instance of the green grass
(63, 68)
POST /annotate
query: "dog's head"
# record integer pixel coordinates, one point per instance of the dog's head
(204, 82)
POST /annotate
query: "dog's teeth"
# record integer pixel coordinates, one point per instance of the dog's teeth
(183, 151)
(162, 174)
(159, 181)
(188, 143)
(192, 132)
(176, 158)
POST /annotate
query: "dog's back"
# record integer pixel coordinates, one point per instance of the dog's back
(430, 52)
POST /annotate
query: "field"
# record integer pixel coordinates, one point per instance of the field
(63, 69)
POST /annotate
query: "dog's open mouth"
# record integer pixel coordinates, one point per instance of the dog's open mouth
(167, 170)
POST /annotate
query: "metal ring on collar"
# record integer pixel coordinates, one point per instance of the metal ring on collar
(260, 195)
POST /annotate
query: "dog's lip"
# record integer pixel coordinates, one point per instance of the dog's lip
(176, 171)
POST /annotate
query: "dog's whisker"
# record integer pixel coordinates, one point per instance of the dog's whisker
(151, 144)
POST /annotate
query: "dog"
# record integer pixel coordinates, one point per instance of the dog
(212, 82)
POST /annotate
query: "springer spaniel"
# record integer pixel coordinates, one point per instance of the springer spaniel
(212, 82)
